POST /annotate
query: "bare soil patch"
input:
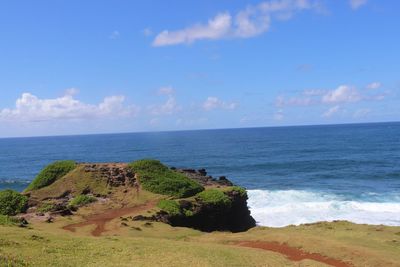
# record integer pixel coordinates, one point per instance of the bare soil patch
(100, 220)
(292, 253)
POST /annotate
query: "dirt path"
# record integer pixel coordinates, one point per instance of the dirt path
(292, 253)
(101, 219)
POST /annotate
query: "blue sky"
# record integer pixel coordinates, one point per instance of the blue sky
(77, 67)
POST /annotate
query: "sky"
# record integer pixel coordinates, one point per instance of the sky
(84, 67)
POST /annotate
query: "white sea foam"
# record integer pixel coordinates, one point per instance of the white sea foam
(285, 207)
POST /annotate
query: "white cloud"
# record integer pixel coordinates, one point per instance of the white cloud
(32, 108)
(168, 90)
(356, 4)
(168, 108)
(216, 28)
(252, 21)
(374, 85)
(331, 111)
(213, 102)
(342, 94)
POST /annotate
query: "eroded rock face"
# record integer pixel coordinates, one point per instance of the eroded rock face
(202, 178)
(195, 213)
(116, 174)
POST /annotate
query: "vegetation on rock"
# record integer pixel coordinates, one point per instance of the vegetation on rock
(51, 173)
(214, 197)
(158, 178)
(170, 206)
(81, 200)
(237, 189)
(9, 220)
(46, 207)
(12, 202)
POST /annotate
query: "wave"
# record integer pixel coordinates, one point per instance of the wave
(294, 207)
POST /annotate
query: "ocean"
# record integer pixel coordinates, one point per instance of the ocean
(295, 175)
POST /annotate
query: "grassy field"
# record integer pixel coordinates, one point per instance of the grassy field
(121, 241)
(157, 244)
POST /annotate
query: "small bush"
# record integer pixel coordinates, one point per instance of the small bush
(158, 178)
(240, 190)
(81, 200)
(51, 173)
(12, 202)
(9, 220)
(46, 207)
(214, 197)
(170, 206)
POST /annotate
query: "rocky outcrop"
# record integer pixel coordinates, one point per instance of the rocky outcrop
(202, 178)
(232, 214)
(116, 174)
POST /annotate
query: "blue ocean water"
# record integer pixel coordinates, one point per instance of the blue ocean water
(294, 175)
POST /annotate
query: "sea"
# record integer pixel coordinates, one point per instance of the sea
(294, 175)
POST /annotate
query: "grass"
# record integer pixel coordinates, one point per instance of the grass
(239, 190)
(76, 182)
(214, 197)
(46, 207)
(9, 220)
(47, 249)
(51, 173)
(161, 245)
(12, 202)
(170, 206)
(81, 200)
(158, 178)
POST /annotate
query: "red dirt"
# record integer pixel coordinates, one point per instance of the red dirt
(101, 219)
(292, 253)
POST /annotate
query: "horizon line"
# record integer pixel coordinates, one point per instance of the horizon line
(201, 129)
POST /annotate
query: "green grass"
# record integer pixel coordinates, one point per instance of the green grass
(214, 197)
(75, 182)
(51, 173)
(240, 190)
(12, 202)
(158, 178)
(170, 206)
(39, 248)
(46, 207)
(81, 200)
(9, 220)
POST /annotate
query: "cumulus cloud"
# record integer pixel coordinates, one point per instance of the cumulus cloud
(32, 108)
(374, 85)
(331, 111)
(343, 93)
(167, 108)
(213, 102)
(249, 22)
(356, 4)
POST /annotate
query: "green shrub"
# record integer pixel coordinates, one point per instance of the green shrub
(81, 200)
(51, 173)
(46, 207)
(170, 206)
(240, 190)
(9, 220)
(12, 202)
(214, 197)
(158, 178)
